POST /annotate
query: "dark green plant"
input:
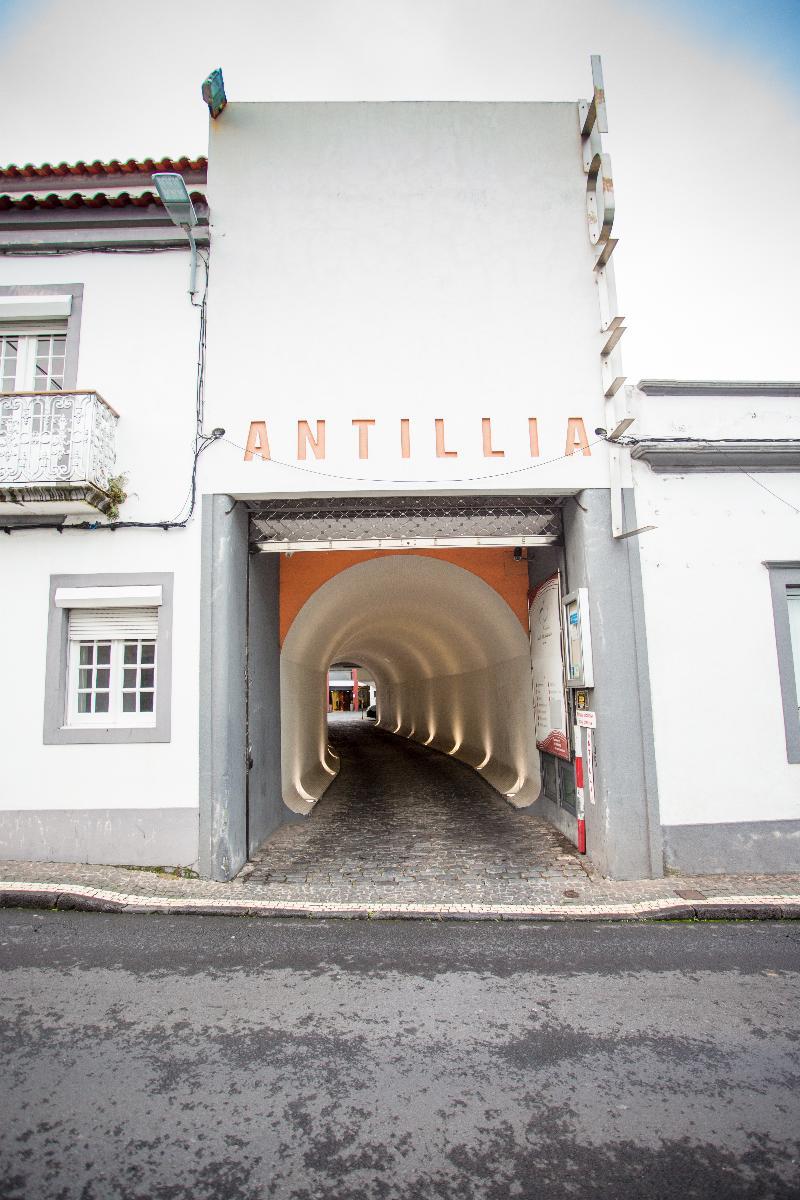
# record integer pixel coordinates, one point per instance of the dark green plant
(116, 490)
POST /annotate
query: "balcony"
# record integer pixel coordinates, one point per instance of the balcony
(57, 452)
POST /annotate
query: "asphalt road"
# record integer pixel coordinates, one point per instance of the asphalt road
(193, 1057)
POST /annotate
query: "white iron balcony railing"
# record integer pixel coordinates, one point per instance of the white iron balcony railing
(56, 451)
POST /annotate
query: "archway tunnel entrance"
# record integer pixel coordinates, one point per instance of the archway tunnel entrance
(429, 596)
(447, 650)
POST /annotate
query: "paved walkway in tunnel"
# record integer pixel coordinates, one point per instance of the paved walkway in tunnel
(409, 823)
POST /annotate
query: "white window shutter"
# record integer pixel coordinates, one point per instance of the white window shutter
(86, 624)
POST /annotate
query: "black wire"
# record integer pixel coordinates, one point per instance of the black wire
(545, 462)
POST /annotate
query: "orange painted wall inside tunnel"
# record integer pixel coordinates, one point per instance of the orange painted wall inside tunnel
(304, 572)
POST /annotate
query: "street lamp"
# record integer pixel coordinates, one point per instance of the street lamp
(178, 203)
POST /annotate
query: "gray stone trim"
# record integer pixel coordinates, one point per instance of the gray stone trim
(718, 387)
(730, 454)
(223, 687)
(73, 320)
(142, 837)
(740, 847)
(782, 576)
(66, 241)
(266, 810)
(55, 690)
(630, 521)
(129, 217)
(111, 182)
(623, 826)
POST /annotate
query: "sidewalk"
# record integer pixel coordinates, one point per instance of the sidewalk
(140, 890)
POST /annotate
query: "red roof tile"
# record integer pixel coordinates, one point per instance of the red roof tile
(132, 166)
(82, 200)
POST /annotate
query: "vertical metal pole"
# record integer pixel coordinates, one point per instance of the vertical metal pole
(193, 263)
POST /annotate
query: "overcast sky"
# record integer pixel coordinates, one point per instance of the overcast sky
(702, 103)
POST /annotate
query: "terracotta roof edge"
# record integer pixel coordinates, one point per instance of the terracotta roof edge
(113, 167)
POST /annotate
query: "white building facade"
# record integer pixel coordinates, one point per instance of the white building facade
(390, 428)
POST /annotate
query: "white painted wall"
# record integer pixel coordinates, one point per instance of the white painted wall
(719, 732)
(451, 663)
(392, 261)
(138, 348)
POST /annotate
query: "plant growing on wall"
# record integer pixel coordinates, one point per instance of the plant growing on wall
(116, 490)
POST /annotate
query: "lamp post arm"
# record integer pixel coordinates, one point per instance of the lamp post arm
(193, 264)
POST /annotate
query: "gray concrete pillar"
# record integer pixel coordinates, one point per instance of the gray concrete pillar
(622, 828)
(223, 688)
(266, 808)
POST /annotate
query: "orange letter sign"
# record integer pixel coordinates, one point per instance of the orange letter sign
(257, 441)
(576, 437)
(488, 452)
(305, 440)
(440, 450)
(363, 436)
(533, 436)
(405, 438)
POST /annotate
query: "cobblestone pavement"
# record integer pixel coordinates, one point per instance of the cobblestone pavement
(402, 818)
(424, 836)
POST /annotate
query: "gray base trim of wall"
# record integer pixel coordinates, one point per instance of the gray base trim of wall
(741, 847)
(141, 837)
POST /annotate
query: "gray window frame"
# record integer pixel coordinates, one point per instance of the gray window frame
(73, 320)
(57, 662)
(782, 576)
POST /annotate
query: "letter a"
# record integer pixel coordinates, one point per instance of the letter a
(576, 437)
(257, 441)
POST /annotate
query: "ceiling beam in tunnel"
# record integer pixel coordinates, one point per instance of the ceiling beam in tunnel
(397, 522)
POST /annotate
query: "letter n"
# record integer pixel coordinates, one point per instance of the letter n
(304, 439)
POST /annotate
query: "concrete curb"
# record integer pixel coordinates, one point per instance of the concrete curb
(714, 908)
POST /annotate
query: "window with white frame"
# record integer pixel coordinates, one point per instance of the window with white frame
(793, 601)
(33, 360)
(112, 656)
(112, 667)
(784, 578)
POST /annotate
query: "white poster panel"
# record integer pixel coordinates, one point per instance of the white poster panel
(547, 666)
